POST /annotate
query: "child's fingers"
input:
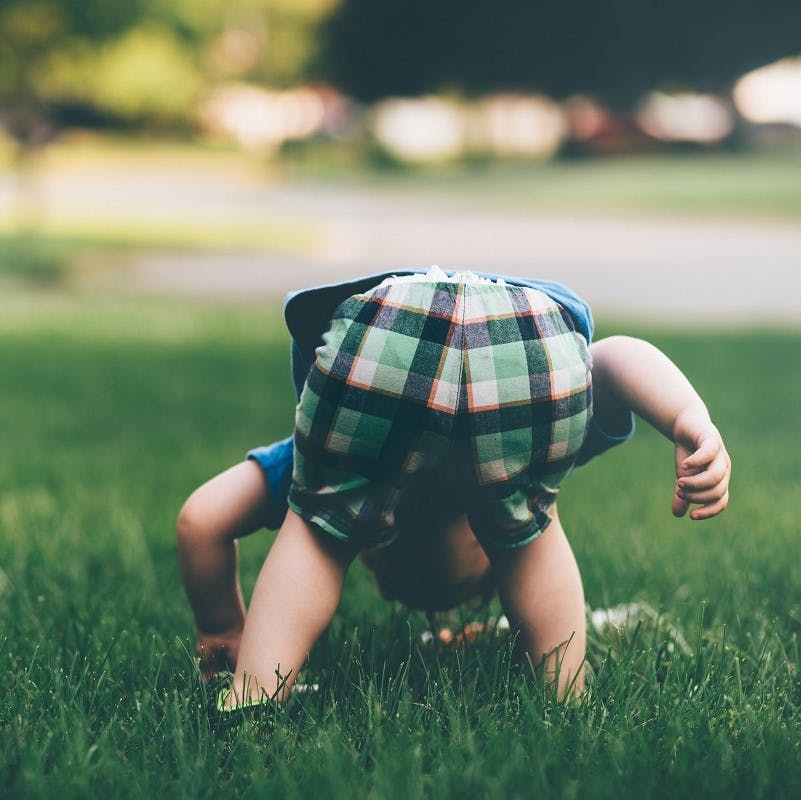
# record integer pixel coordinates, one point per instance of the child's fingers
(679, 506)
(708, 448)
(717, 472)
(706, 496)
(710, 510)
(711, 497)
(703, 477)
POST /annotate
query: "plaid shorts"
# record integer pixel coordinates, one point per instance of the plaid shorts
(486, 382)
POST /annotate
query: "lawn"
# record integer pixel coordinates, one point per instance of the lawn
(749, 185)
(112, 413)
(748, 182)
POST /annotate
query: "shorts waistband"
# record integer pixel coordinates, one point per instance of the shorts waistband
(436, 275)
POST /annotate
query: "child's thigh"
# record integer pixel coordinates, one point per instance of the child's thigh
(230, 505)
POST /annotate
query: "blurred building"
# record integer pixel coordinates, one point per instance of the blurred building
(431, 129)
(263, 119)
(771, 94)
(435, 128)
(685, 117)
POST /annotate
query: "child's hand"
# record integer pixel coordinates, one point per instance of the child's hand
(217, 652)
(703, 468)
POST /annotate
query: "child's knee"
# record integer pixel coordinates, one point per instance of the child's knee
(195, 522)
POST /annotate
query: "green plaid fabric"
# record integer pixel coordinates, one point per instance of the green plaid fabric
(486, 380)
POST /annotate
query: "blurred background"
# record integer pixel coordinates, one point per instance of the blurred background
(648, 154)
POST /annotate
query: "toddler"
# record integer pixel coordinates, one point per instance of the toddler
(438, 416)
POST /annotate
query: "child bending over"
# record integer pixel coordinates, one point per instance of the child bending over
(438, 416)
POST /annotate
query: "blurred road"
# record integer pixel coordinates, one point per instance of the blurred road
(702, 271)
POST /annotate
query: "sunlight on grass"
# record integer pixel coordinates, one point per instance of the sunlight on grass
(759, 185)
(84, 151)
(284, 236)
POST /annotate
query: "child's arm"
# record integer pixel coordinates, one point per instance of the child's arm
(231, 505)
(632, 375)
(234, 504)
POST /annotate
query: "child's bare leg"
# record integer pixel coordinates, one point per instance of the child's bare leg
(540, 588)
(230, 505)
(295, 597)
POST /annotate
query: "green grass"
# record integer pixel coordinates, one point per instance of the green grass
(747, 184)
(287, 236)
(112, 413)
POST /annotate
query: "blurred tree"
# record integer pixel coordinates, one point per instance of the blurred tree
(615, 50)
(146, 75)
(138, 62)
(141, 61)
(30, 32)
(270, 41)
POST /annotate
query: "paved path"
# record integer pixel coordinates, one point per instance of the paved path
(704, 271)
(698, 271)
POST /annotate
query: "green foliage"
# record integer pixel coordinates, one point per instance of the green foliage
(148, 73)
(269, 41)
(30, 30)
(118, 409)
(144, 61)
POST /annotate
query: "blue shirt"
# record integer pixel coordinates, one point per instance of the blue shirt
(308, 315)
